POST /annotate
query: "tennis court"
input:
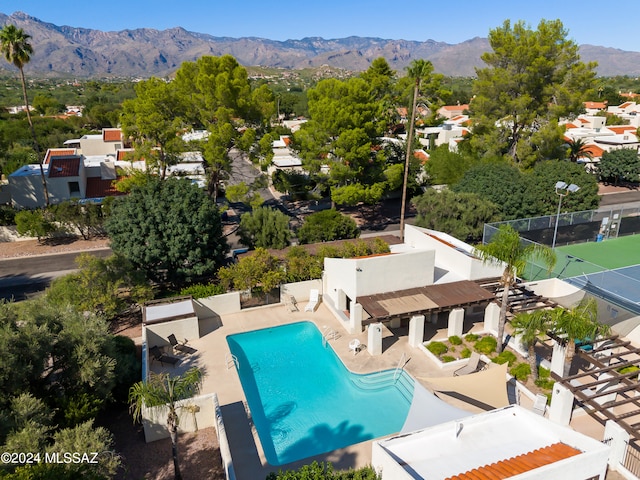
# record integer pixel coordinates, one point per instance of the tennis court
(609, 269)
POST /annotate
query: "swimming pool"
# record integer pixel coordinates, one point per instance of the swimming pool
(304, 401)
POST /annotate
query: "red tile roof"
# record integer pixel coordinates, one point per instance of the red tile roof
(595, 105)
(456, 108)
(123, 154)
(111, 135)
(625, 104)
(64, 167)
(595, 151)
(99, 188)
(520, 464)
(58, 152)
(621, 129)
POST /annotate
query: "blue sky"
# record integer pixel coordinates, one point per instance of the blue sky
(587, 21)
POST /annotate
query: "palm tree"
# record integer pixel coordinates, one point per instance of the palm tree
(417, 70)
(576, 324)
(507, 248)
(17, 50)
(530, 327)
(578, 149)
(163, 391)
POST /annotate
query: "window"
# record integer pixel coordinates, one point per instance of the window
(74, 189)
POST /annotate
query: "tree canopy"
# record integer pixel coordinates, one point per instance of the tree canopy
(264, 227)
(620, 165)
(532, 78)
(327, 225)
(171, 230)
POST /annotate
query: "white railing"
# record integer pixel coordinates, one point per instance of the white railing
(328, 334)
(400, 367)
(231, 361)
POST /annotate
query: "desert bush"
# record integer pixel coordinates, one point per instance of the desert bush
(437, 348)
(486, 345)
(447, 358)
(521, 371)
(505, 357)
(455, 340)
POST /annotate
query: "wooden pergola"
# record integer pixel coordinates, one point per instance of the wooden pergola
(602, 390)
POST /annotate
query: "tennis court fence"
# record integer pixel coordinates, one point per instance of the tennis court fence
(573, 227)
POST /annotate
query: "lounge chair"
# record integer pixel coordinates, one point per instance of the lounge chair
(540, 404)
(473, 365)
(163, 357)
(181, 347)
(291, 303)
(314, 297)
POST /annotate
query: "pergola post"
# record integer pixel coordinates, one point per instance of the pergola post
(416, 331)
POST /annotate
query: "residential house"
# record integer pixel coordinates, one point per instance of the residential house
(593, 108)
(450, 111)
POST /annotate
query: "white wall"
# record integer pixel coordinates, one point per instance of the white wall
(154, 419)
(211, 307)
(184, 328)
(300, 290)
(378, 274)
(26, 191)
(463, 265)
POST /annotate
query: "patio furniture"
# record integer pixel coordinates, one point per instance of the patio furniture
(163, 357)
(540, 404)
(354, 345)
(314, 297)
(473, 365)
(181, 347)
(291, 303)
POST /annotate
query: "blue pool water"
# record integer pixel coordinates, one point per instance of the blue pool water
(305, 402)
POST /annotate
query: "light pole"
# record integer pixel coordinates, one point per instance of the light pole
(562, 190)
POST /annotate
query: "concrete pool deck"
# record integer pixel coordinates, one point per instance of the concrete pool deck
(213, 357)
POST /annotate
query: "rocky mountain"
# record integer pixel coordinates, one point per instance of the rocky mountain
(143, 52)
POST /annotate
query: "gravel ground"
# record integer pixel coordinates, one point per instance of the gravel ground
(28, 248)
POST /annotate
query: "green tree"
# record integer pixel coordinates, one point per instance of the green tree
(620, 165)
(327, 225)
(47, 105)
(164, 391)
(86, 219)
(498, 182)
(107, 286)
(301, 265)
(324, 471)
(578, 149)
(577, 324)
(152, 122)
(243, 193)
(532, 78)
(169, 229)
(446, 167)
(507, 249)
(264, 227)
(529, 327)
(461, 215)
(259, 269)
(14, 44)
(35, 223)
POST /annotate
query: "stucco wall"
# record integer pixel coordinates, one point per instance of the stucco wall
(300, 290)
(26, 191)
(154, 419)
(378, 274)
(184, 328)
(213, 307)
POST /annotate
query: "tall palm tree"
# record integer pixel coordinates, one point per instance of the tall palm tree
(17, 50)
(577, 324)
(530, 327)
(507, 248)
(163, 391)
(578, 149)
(417, 70)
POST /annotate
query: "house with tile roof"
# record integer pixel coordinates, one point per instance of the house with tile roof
(510, 442)
(450, 111)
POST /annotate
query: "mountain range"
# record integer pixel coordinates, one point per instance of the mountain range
(145, 52)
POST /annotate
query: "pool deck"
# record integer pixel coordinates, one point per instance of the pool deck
(221, 377)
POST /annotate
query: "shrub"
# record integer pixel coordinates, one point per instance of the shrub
(455, 340)
(545, 383)
(521, 371)
(630, 368)
(486, 345)
(471, 337)
(7, 215)
(447, 358)
(465, 353)
(505, 357)
(201, 290)
(437, 348)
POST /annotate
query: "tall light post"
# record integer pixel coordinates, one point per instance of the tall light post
(562, 190)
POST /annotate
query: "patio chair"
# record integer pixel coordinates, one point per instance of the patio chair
(291, 303)
(163, 357)
(181, 347)
(473, 365)
(540, 404)
(314, 297)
